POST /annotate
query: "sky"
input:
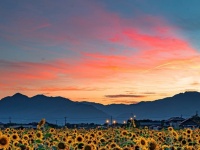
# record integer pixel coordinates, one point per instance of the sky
(104, 51)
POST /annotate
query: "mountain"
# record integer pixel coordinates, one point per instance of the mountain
(23, 109)
(185, 104)
(27, 109)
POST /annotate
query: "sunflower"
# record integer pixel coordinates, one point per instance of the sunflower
(184, 142)
(7, 129)
(196, 136)
(79, 139)
(52, 130)
(4, 142)
(142, 142)
(134, 135)
(61, 145)
(88, 147)
(31, 136)
(184, 134)
(15, 137)
(55, 137)
(99, 133)
(25, 137)
(170, 129)
(102, 140)
(137, 147)
(113, 145)
(80, 145)
(64, 139)
(159, 134)
(189, 131)
(123, 133)
(15, 144)
(92, 135)
(152, 144)
(189, 140)
(41, 123)
(70, 141)
(39, 135)
(25, 143)
(175, 134)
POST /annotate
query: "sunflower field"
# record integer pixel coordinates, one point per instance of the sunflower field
(46, 138)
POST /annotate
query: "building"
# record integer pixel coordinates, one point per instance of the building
(173, 122)
(192, 122)
(189, 123)
(150, 124)
(22, 126)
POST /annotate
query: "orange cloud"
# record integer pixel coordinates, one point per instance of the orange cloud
(54, 89)
(124, 95)
(124, 102)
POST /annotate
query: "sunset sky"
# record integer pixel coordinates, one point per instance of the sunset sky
(105, 51)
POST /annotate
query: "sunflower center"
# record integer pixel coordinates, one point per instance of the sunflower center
(79, 139)
(80, 145)
(14, 137)
(61, 145)
(152, 146)
(38, 135)
(137, 148)
(87, 147)
(183, 142)
(143, 142)
(3, 141)
(113, 145)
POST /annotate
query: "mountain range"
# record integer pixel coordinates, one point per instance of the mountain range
(20, 108)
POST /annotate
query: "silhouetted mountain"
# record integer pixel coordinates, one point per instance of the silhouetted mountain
(24, 109)
(185, 104)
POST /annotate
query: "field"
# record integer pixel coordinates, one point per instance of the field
(46, 138)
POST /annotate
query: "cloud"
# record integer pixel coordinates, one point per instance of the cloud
(54, 89)
(124, 96)
(195, 83)
(124, 102)
(149, 93)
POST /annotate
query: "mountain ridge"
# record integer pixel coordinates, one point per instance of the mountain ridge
(55, 108)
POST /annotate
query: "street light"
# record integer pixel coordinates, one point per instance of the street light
(114, 122)
(107, 122)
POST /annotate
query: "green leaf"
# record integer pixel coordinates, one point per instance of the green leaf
(47, 135)
(38, 141)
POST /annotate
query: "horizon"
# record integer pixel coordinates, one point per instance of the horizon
(107, 52)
